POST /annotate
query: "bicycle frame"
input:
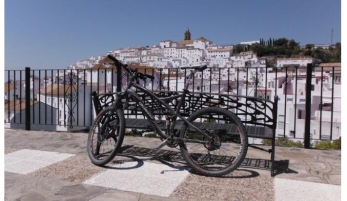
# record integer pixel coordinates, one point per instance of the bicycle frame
(173, 113)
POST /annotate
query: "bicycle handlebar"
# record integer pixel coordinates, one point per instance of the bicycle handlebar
(140, 75)
(116, 61)
(133, 70)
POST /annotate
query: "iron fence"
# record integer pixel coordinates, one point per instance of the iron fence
(60, 100)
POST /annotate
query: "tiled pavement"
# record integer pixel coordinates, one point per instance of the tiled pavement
(54, 166)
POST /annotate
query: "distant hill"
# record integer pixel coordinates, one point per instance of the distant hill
(289, 48)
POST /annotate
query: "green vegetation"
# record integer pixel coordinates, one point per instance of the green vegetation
(336, 144)
(285, 142)
(133, 132)
(289, 48)
(322, 145)
(209, 121)
(151, 135)
(138, 133)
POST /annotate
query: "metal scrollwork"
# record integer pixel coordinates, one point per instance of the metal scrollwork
(70, 102)
(252, 110)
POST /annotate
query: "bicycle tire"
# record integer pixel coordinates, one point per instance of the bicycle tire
(108, 126)
(229, 138)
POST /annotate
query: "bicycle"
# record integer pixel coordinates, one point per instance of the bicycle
(213, 141)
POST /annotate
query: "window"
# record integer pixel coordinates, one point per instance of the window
(325, 107)
(281, 121)
(300, 114)
(292, 133)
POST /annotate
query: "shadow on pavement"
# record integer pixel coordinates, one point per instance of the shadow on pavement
(174, 160)
(282, 166)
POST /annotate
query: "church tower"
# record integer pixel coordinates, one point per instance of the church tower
(187, 35)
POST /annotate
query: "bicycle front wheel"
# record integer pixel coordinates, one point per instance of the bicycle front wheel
(106, 136)
(226, 148)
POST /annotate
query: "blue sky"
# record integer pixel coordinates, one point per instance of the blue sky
(46, 34)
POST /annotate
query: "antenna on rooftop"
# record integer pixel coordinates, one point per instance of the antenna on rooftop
(332, 34)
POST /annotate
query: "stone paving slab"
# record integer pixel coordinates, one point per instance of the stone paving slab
(26, 187)
(303, 190)
(150, 178)
(64, 180)
(25, 161)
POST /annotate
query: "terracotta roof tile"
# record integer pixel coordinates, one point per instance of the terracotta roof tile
(329, 65)
(10, 86)
(186, 42)
(102, 66)
(143, 69)
(59, 89)
(220, 50)
(18, 104)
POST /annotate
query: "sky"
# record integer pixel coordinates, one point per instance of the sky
(45, 34)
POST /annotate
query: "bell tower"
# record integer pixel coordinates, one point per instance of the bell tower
(187, 35)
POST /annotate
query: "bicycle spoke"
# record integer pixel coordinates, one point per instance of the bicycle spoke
(106, 136)
(218, 155)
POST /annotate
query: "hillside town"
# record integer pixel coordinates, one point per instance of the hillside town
(62, 98)
(188, 52)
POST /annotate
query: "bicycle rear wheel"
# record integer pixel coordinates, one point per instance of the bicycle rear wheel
(106, 136)
(226, 149)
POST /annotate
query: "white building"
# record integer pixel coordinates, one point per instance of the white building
(250, 42)
(292, 105)
(71, 105)
(287, 62)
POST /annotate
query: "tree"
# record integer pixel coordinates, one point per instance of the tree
(284, 47)
(337, 53)
(309, 46)
(281, 42)
(238, 48)
(322, 55)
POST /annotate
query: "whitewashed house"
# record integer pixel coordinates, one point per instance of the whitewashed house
(67, 106)
(292, 106)
(287, 62)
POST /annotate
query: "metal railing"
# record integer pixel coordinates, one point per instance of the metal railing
(61, 99)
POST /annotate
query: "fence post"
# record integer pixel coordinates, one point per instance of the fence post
(119, 78)
(27, 98)
(307, 138)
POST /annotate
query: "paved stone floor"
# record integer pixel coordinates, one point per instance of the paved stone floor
(41, 165)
